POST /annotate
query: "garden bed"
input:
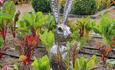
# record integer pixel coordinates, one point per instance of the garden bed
(38, 41)
(11, 56)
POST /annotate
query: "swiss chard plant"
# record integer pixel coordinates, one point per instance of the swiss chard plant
(27, 47)
(105, 51)
(47, 39)
(72, 54)
(81, 30)
(42, 63)
(50, 23)
(10, 9)
(7, 14)
(85, 27)
(29, 27)
(32, 23)
(3, 25)
(84, 64)
(106, 29)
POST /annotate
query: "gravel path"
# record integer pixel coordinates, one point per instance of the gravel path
(24, 8)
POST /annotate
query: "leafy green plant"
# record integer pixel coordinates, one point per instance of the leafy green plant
(81, 30)
(27, 47)
(85, 27)
(47, 39)
(106, 29)
(31, 23)
(42, 63)
(105, 51)
(84, 64)
(3, 31)
(6, 17)
(3, 25)
(50, 23)
(84, 7)
(30, 27)
(9, 8)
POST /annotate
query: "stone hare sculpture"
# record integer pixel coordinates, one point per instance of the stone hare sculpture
(62, 33)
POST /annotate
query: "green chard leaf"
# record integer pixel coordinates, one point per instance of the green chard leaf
(47, 39)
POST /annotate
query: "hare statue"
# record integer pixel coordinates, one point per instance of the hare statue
(62, 33)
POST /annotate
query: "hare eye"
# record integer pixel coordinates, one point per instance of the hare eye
(60, 29)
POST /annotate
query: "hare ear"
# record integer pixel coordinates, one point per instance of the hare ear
(67, 10)
(55, 9)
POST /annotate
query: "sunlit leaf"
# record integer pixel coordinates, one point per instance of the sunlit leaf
(9, 8)
(91, 63)
(41, 64)
(47, 39)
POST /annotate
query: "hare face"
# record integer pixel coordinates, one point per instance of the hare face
(63, 30)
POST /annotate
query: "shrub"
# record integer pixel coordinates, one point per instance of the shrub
(44, 5)
(84, 7)
(41, 5)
